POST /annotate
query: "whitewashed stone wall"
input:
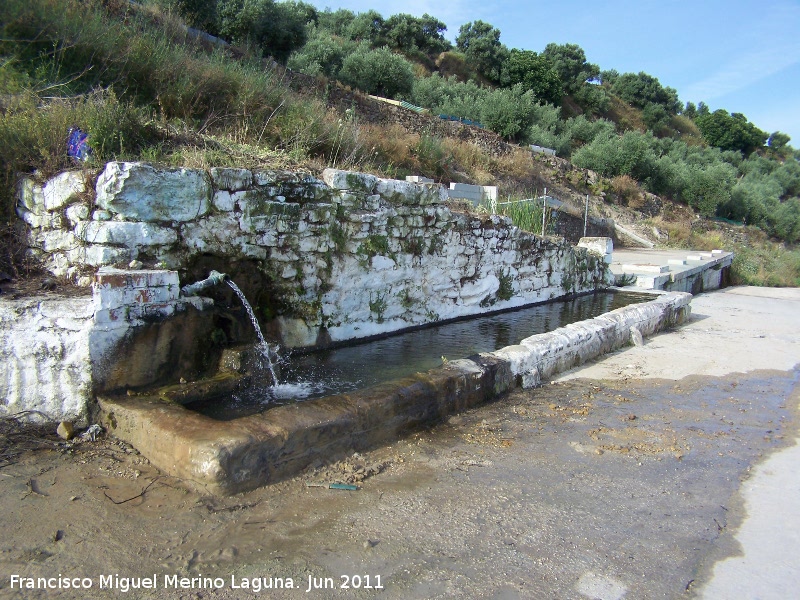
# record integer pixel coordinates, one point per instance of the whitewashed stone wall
(45, 363)
(351, 255)
(56, 352)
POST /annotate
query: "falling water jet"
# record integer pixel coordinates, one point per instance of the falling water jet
(215, 278)
(263, 345)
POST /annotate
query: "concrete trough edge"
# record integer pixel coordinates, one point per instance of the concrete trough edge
(228, 457)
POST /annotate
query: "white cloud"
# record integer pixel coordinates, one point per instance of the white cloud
(745, 71)
(772, 44)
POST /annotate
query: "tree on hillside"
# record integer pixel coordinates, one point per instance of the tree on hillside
(570, 62)
(480, 42)
(788, 175)
(322, 54)
(336, 21)
(656, 117)
(592, 98)
(609, 76)
(709, 187)
(509, 112)
(408, 34)
(367, 27)
(641, 89)
(632, 153)
(276, 28)
(730, 131)
(201, 14)
(534, 73)
(380, 72)
(778, 142)
(302, 10)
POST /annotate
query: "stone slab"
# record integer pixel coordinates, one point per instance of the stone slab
(140, 192)
(645, 268)
(699, 271)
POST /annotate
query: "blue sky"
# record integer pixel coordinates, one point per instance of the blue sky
(740, 55)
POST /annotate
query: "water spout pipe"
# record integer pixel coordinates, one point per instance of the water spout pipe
(214, 278)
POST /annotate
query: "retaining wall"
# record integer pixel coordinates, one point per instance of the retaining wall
(45, 359)
(322, 260)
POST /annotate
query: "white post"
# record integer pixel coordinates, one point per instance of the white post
(586, 215)
(544, 209)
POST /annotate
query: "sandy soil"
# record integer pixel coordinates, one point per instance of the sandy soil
(621, 480)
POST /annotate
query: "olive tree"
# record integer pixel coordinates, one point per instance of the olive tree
(380, 72)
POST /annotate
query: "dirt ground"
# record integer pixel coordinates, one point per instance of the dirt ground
(620, 480)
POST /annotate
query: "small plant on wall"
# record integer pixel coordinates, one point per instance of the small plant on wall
(506, 289)
(378, 305)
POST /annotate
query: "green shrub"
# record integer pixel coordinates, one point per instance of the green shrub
(643, 90)
(582, 130)
(508, 112)
(321, 55)
(707, 188)
(274, 27)
(632, 153)
(380, 72)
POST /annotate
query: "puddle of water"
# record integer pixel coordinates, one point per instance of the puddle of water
(327, 372)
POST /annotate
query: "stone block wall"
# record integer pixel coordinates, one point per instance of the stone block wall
(346, 256)
(143, 332)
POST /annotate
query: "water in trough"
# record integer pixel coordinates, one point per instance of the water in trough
(320, 373)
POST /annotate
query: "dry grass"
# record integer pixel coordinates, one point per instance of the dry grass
(454, 63)
(689, 133)
(626, 117)
(392, 147)
(471, 159)
(18, 435)
(628, 191)
(517, 164)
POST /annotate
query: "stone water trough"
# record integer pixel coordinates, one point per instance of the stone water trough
(322, 261)
(227, 457)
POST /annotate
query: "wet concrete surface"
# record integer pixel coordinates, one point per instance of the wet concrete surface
(612, 487)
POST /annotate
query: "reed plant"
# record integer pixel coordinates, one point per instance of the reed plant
(524, 213)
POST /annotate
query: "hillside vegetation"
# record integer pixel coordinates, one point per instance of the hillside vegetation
(144, 88)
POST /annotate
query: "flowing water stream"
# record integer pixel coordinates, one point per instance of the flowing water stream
(263, 346)
(326, 372)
